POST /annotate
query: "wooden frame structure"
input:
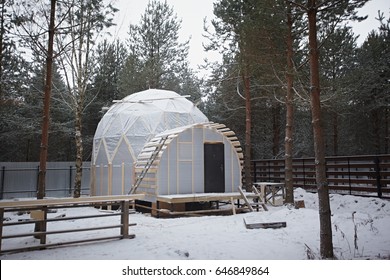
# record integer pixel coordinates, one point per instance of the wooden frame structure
(40, 208)
(178, 166)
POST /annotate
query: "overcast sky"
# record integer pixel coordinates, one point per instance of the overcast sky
(192, 13)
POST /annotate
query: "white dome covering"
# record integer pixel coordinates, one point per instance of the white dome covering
(131, 122)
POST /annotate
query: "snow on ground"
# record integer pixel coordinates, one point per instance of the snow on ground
(361, 228)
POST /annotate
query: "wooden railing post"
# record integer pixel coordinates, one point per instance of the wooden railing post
(2, 182)
(378, 176)
(125, 219)
(43, 226)
(349, 176)
(254, 171)
(269, 170)
(304, 173)
(70, 181)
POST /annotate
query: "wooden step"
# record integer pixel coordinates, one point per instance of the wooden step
(236, 143)
(217, 126)
(229, 133)
(142, 163)
(146, 186)
(150, 170)
(232, 138)
(149, 179)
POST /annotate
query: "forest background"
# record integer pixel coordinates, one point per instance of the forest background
(354, 78)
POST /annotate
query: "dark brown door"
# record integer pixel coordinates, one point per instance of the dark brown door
(214, 168)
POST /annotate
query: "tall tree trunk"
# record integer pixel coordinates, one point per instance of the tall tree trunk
(289, 111)
(46, 105)
(387, 140)
(276, 129)
(326, 245)
(79, 152)
(79, 106)
(376, 127)
(248, 131)
(335, 134)
(2, 32)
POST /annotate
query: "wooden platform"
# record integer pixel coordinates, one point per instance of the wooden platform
(202, 197)
(175, 205)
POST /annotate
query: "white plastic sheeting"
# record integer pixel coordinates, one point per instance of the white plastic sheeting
(131, 122)
(180, 167)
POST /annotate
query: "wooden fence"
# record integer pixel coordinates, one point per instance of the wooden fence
(362, 175)
(39, 210)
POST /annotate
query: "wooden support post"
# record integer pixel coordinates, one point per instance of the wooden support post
(125, 219)
(92, 191)
(245, 199)
(44, 225)
(40, 226)
(233, 207)
(123, 178)
(109, 183)
(109, 179)
(101, 178)
(378, 176)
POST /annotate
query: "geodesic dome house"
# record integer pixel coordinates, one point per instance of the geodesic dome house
(124, 130)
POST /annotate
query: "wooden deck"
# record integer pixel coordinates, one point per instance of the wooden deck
(175, 205)
(202, 197)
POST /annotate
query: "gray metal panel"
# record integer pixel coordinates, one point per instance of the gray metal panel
(20, 179)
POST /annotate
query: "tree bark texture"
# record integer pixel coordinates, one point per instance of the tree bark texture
(46, 106)
(248, 131)
(79, 153)
(335, 134)
(288, 143)
(276, 129)
(326, 244)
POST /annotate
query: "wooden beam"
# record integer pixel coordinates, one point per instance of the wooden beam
(265, 225)
(65, 201)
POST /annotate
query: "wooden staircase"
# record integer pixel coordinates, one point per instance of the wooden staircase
(146, 160)
(253, 205)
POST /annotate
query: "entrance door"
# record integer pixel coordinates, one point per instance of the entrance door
(214, 168)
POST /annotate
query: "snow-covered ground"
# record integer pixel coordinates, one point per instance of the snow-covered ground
(361, 230)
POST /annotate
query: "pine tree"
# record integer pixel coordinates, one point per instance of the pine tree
(156, 57)
(370, 91)
(331, 12)
(251, 33)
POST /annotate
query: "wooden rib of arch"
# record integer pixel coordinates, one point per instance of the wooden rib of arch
(231, 136)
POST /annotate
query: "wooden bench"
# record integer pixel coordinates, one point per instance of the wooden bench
(39, 209)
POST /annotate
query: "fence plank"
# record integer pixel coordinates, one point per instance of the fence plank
(366, 174)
